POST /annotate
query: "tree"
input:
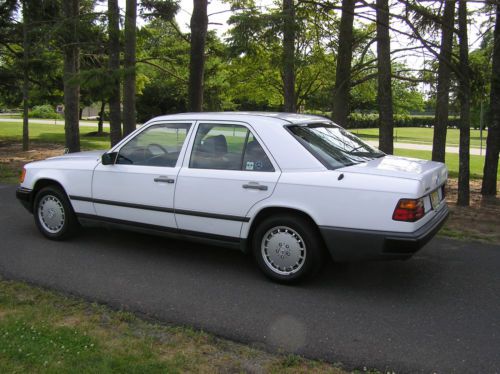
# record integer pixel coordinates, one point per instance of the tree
(289, 56)
(256, 52)
(340, 106)
(71, 10)
(199, 25)
(443, 85)
(115, 130)
(26, 87)
(129, 116)
(489, 185)
(465, 102)
(384, 91)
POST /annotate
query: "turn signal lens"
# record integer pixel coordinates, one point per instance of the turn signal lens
(23, 174)
(409, 210)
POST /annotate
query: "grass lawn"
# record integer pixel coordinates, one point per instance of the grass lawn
(45, 332)
(422, 135)
(53, 134)
(476, 162)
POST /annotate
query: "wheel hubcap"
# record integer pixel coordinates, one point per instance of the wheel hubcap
(283, 250)
(51, 214)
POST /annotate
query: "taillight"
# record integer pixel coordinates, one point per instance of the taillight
(23, 174)
(409, 210)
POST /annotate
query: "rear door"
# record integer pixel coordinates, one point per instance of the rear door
(226, 171)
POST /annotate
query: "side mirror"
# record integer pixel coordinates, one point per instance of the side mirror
(109, 158)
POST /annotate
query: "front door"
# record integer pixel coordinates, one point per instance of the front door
(139, 187)
(227, 172)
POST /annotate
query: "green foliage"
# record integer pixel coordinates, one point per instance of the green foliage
(162, 67)
(44, 111)
(361, 121)
(165, 10)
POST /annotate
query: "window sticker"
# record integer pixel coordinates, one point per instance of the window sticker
(258, 165)
(249, 165)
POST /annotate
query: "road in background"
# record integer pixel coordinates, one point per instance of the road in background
(58, 122)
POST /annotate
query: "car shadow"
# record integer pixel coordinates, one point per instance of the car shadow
(412, 277)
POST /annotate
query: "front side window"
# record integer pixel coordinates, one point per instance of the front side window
(334, 146)
(158, 145)
(228, 147)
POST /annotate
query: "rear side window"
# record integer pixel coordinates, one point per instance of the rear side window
(333, 146)
(228, 147)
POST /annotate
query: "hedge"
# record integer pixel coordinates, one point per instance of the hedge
(363, 121)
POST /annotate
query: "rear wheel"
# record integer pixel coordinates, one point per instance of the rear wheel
(53, 214)
(287, 248)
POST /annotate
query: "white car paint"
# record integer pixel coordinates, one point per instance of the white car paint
(359, 197)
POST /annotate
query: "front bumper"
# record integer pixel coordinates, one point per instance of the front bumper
(25, 196)
(356, 245)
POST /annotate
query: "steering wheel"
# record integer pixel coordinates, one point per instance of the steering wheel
(161, 148)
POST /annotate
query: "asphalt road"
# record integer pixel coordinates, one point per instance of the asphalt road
(438, 312)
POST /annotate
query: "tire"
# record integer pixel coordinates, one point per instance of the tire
(53, 214)
(287, 248)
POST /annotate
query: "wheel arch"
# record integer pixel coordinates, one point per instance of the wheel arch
(275, 210)
(45, 182)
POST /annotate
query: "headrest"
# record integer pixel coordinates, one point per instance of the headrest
(216, 145)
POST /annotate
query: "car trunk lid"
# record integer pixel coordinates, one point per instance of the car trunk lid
(431, 174)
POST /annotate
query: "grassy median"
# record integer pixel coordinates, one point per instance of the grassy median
(45, 332)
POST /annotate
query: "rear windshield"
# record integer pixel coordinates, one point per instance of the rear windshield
(334, 146)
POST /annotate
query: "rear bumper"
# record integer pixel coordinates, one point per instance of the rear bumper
(356, 245)
(25, 196)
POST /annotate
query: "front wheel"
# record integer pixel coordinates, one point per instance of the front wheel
(287, 248)
(53, 214)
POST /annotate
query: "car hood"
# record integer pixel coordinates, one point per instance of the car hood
(432, 174)
(77, 156)
(77, 161)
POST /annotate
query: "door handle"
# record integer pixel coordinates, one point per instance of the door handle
(164, 179)
(254, 186)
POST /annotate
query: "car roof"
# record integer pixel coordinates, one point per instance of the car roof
(292, 118)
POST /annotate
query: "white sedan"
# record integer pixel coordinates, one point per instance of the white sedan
(288, 188)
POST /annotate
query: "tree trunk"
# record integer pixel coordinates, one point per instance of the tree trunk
(199, 24)
(489, 186)
(26, 47)
(100, 129)
(465, 97)
(384, 93)
(115, 131)
(340, 107)
(129, 64)
(289, 56)
(443, 85)
(71, 9)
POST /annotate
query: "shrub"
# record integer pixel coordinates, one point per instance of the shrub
(44, 111)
